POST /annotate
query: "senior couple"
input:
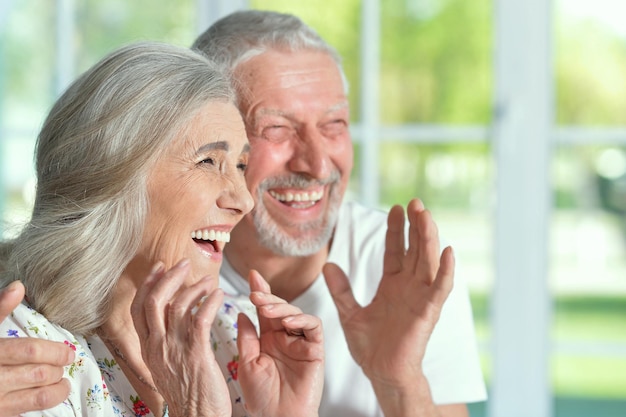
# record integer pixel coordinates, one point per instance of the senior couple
(147, 263)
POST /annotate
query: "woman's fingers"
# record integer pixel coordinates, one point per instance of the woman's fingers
(248, 343)
(182, 306)
(137, 308)
(257, 282)
(304, 325)
(206, 314)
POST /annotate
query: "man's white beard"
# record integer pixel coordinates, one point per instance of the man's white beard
(311, 237)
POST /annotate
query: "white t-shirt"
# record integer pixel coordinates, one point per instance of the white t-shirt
(451, 363)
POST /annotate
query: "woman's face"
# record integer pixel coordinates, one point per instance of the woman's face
(197, 193)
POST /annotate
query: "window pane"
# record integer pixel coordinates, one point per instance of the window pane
(27, 72)
(26, 91)
(436, 61)
(588, 266)
(102, 26)
(590, 62)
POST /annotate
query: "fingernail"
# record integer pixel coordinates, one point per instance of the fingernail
(12, 286)
(71, 356)
(156, 268)
(183, 263)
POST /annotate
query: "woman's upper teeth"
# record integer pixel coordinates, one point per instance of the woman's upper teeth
(211, 235)
(301, 196)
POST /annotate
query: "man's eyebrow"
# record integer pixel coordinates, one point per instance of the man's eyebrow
(338, 106)
(272, 112)
(278, 112)
(219, 145)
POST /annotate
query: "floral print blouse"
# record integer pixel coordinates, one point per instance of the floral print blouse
(99, 388)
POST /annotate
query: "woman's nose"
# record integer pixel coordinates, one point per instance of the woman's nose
(236, 196)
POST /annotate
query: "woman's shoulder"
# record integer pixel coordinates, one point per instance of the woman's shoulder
(25, 321)
(89, 396)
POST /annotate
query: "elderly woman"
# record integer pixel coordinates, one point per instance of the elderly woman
(140, 169)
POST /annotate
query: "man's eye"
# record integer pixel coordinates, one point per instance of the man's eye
(277, 133)
(209, 161)
(335, 127)
(242, 167)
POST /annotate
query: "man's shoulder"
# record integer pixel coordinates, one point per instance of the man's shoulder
(360, 231)
(355, 212)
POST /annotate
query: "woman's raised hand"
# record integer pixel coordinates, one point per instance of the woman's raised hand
(281, 370)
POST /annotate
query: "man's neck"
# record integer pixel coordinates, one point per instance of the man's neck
(288, 276)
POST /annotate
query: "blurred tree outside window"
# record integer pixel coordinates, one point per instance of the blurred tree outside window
(436, 71)
(588, 262)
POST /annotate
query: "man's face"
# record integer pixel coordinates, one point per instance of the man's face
(296, 115)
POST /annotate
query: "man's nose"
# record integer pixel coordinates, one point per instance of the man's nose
(311, 155)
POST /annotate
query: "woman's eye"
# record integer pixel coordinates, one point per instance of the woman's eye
(209, 161)
(242, 167)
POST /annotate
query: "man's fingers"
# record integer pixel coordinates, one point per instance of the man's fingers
(26, 350)
(21, 377)
(340, 290)
(426, 254)
(40, 398)
(394, 241)
(10, 297)
(445, 276)
(413, 210)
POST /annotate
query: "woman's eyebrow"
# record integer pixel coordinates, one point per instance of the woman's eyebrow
(219, 145)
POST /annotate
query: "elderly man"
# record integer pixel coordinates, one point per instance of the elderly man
(387, 357)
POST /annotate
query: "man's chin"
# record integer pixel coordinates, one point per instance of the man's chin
(302, 245)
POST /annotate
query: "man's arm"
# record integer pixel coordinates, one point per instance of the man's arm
(31, 370)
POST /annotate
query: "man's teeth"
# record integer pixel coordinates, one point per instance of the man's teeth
(211, 235)
(297, 197)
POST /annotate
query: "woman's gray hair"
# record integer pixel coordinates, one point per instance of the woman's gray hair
(93, 157)
(242, 35)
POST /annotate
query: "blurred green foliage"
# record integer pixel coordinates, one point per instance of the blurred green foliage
(577, 319)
